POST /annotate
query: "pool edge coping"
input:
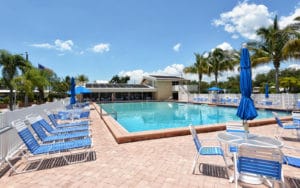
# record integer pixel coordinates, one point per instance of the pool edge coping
(122, 136)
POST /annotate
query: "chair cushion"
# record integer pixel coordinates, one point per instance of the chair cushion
(211, 151)
(291, 127)
(292, 161)
(63, 146)
(73, 135)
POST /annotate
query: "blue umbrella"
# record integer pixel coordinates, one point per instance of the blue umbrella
(246, 110)
(215, 89)
(72, 92)
(267, 90)
(81, 90)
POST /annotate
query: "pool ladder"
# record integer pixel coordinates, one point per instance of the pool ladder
(112, 112)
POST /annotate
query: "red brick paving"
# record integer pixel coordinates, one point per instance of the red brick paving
(158, 163)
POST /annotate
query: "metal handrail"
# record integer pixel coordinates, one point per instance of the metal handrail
(111, 112)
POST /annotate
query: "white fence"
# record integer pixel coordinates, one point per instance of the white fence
(282, 101)
(9, 140)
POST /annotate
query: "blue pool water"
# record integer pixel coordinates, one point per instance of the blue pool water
(143, 116)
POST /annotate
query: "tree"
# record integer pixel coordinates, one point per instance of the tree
(59, 87)
(124, 79)
(23, 83)
(221, 60)
(116, 79)
(289, 83)
(40, 79)
(200, 67)
(275, 45)
(11, 65)
(82, 79)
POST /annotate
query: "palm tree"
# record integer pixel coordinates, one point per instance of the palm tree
(200, 67)
(11, 64)
(221, 60)
(23, 83)
(276, 45)
(82, 79)
(290, 83)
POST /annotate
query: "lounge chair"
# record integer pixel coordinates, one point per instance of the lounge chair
(284, 126)
(52, 130)
(264, 162)
(64, 125)
(46, 150)
(39, 130)
(205, 150)
(296, 117)
(72, 114)
(290, 159)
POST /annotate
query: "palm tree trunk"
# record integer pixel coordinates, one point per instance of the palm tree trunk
(11, 99)
(216, 79)
(276, 78)
(26, 100)
(41, 95)
(199, 84)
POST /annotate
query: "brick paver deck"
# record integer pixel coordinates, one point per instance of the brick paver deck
(159, 163)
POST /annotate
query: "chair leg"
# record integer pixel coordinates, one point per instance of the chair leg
(236, 176)
(226, 165)
(282, 183)
(195, 162)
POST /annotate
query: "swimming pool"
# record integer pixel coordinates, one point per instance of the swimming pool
(145, 116)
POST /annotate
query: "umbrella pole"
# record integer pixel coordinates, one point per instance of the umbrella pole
(245, 124)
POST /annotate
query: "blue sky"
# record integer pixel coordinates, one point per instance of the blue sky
(101, 39)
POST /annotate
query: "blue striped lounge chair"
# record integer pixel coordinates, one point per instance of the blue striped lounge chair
(52, 130)
(283, 126)
(39, 130)
(73, 114)
(48, 150)
(291, 159)
(64, 125)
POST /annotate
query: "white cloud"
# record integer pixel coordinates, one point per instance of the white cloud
(101, 81)
(244, 19)
(235, 36)
(175, 70)
(286, 20)
(225, 75)
(137, 75)
(225, 46)
(42, 45)
(294, 66)
(58, 45)
(63, 45)
(261, 70)
(101, 48)
(176, 48)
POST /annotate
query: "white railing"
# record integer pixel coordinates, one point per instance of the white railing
(283, 101)
(9, 140)
(183, 93)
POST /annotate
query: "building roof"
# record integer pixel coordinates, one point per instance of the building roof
(167, 78)
(119, 87)
(116, 85)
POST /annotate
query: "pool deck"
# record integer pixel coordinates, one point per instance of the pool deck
(164, 162)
